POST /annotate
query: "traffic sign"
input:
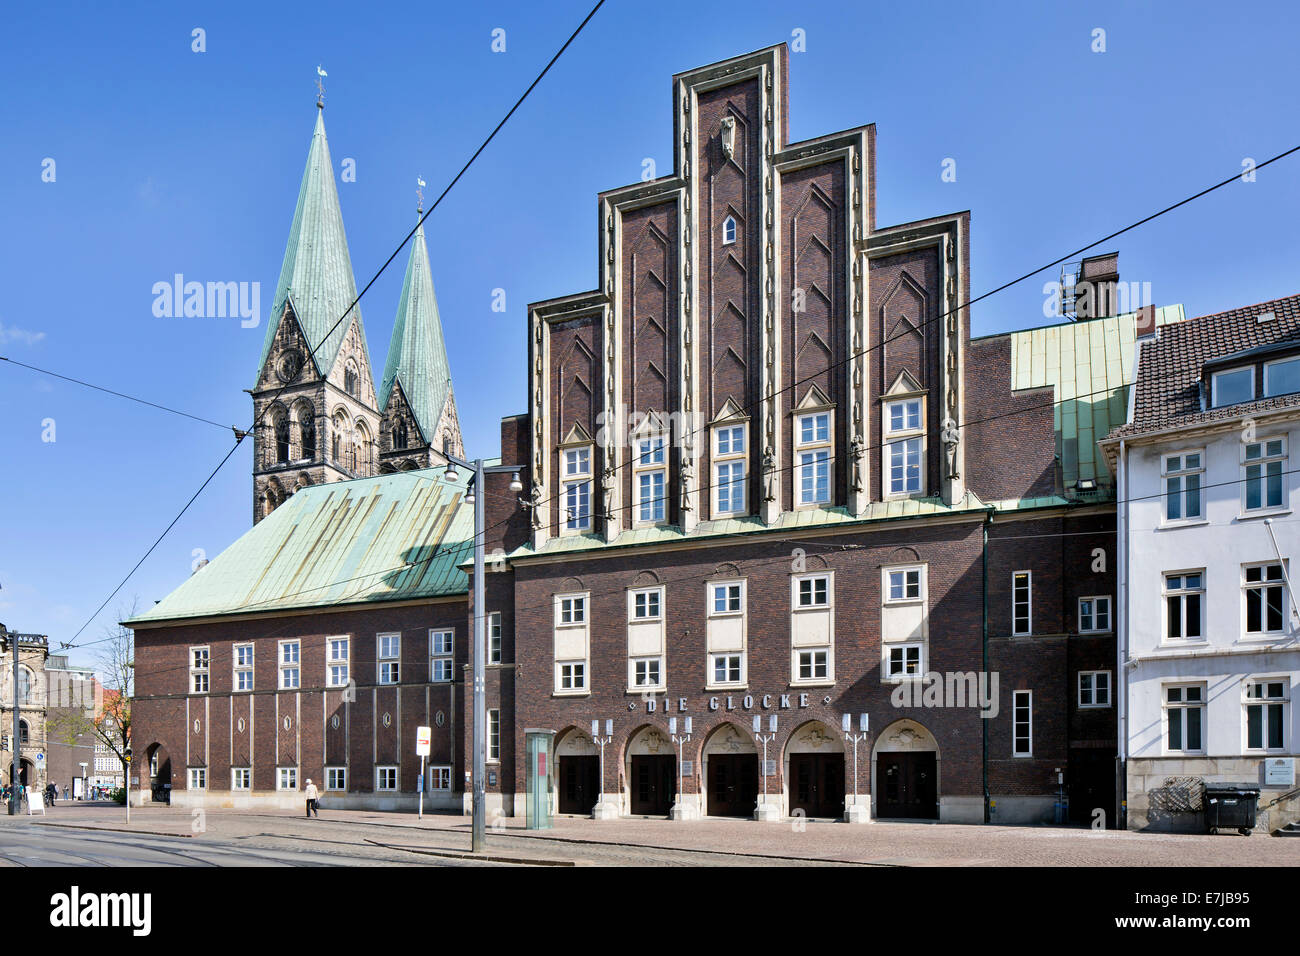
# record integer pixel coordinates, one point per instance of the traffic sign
(423, 735)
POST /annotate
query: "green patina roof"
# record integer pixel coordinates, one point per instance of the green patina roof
(317, 272)
(1090, 366)
(391, 538)
(417, 355)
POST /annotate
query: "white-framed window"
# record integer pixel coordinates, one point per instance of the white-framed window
(1022, 602)
(812, 629)
(812, 664)
(198, 778)
(729, 465)
(1265, 702)
(729, 230)
(727, 669)
(1262, 465)
(1022, 723)
(572, 609)
(1094, 688)
(571, 644)
(494, 638)
(440, 778)
(812, 448)
(1094, 614)
(645, 638)
(337, 658)
(1263, 599)
(388, 648)
(286, 778)
(1184, 718)
(1282, 377)
(647, 604)
(1184, 605)
(649, 479)
(904, 457)
(290, 654)
(336, 778)
(570, 676)
(726, 662)
(442, 649)
(726, 597)
(386, 778)
(905, 660)
(199, 660)
(576, 478)
(243, 658)
(813, 590)
(904, 584)
(241, 778)
(1183, 477)
(1232, 386)
(646, 671)
(494, 735)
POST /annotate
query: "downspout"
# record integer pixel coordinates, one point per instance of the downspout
(1121, 645)
(984, 721)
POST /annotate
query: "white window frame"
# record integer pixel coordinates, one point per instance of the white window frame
(1110, 614)
(386, 778)
(574, 672)
(1183, 474)
(494, 638)
(1181, 593)
(285, 667)
(1016, 697)
(575, 474)
(494, 736)
(657, 660)
(238, 670)
(333, 781)
(890, 675)
(1091, 699)
(797, 592)
(812, 651)
(1169, 707)
(200, 673)
(576, 609)
(439, 778)
(814, 446)
(1214, 386)
(291, 779)
(574, 605)
(729, 230)
(199, 774)
(1268, 367)
(1283, 702)
(647, 593)
(655, 445)
(729, 459)
(1263, 585)
(333, 677)
(918, 598)
(241, 778)
(1262, 462)
(712, 679)
(388, 665)
(1028, 629)
(442, 654)
(728, 611)
(903, 436)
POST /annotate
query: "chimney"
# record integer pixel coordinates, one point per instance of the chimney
(1096, 287)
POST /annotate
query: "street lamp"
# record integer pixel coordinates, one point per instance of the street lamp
(601, 811)
(680, 811)
(853, 814)
(765, 738)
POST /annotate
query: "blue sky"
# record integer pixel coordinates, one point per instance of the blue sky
(168, 160)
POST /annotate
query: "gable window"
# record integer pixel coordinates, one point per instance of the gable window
(1022, 733)
(729, 230)
(1184, 718)
(904, 446)
(577, 489)
(1094, 614)
(1022, 602)
(813, 455)
(1094, 688)
(441, 653)
(494, 638)
(1282, 377)
(1265, 706)
(1182, 475)
(729, 469)
(289, 664)
(199, 670)
(336, 661)
(389, 655)
(649, 476)
(1184, 597)
(1262, 466)
(243, 666)
(1232, 387)
(1264, 598)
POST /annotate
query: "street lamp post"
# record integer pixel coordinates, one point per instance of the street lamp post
(601, 811)
(680, 811)
(765, 813)
(854, 814)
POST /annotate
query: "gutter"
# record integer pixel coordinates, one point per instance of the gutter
(984, 724)
(1121, 644)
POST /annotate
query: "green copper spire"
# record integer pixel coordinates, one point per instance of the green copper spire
(417, 355)
(316, 277)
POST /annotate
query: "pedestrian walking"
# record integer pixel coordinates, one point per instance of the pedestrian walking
(312, 797)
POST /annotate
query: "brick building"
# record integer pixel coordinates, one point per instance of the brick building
(769, 474)
(29, 686)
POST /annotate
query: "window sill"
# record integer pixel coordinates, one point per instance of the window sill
(1181, 523)
(813, 683)
(1174, 645)
(728, 687)
(1263, 513)
(1094, 633)
(571, 693)
(638, 691)
(1094, 706)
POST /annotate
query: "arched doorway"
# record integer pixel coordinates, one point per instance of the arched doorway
(577, 773)
(160, 773)
(26, 773)
(905, 773)
(731, 773)
(814, 771)
(651, 773)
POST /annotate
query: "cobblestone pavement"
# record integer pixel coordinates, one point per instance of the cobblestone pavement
(365, 837)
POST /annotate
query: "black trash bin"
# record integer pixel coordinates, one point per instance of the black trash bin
(1231, 806)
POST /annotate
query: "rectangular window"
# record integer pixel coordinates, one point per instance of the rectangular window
(389, 649)
(289, 665)
(1182, 474)
(286, 778)
(577, 489)
(727, 598)
(1022, 602)
(1266, 713)
(812, 442)
(647, 672)
(645, 604)
(814, 592)
(813, 664)
(571, 675)
(198, 778)
(1184, 718)
(1184, 598)
(1264, 598)
(1094, 614)
(1094, 688)
(573, 610)
(241, 778)
(337, 657)
(442, 649)
(385, 778)
(727, 668)
(1282, 377)
(494, 735)
(904, 446)
(729, 469)
(1262, 465)
(336, 778)
(905, 660)
(1233, 387)
(494, 638)
(1022, 739)
(650, 478)
(199, 659)
(440, 779)
(904, 584)
(243, 667)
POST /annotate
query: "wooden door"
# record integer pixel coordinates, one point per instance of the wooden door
(907, 784)
(654, 784)
(579, 784)
(733, 785)
(817, 784)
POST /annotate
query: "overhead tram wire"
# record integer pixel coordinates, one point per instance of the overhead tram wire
(239, 436)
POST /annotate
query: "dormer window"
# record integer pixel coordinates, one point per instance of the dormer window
(1282, 377)
(729, 230)
(1232, 387)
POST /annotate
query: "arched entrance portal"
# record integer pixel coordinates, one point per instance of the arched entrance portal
(651, 773)
(905, 781)
(814, 771)
(160, 773)
(577, 773)
(731, 772)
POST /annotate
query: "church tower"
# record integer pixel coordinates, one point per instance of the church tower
(316, 413)
(419, 421)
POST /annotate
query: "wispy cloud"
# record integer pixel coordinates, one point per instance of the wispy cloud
(11, 333)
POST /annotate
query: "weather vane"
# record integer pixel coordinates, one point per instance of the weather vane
(320, 87)
(419, 194)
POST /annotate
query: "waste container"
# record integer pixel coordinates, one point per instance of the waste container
(1231, 806)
